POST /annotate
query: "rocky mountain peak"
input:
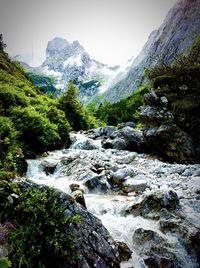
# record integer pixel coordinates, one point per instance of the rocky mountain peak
(55, 46)
(69, 61)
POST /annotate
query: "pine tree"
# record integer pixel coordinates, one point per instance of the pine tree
(73, 109)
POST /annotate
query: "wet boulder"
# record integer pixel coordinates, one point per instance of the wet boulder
(97, 184)
(155, 202)
(95, 246)
(117, 143)
(154, 249)
(77, 194)
(133, 139)
(124, 251)
(120, 175)
(100, 133)
(48, 167)
(134, 185)
(87, 144)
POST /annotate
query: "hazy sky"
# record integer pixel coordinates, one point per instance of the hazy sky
(111, 31)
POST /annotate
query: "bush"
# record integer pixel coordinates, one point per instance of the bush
(10, 97)
(39, 237)
(7, 145)
(36, 132)
(58, 117)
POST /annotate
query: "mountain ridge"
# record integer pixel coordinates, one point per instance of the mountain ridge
(175, 35)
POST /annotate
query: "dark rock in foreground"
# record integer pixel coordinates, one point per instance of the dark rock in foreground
(95, 247)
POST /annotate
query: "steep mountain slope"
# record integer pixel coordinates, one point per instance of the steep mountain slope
(177, 33)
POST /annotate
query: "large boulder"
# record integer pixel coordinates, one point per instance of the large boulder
(121, 174)
(162, 135)
(97, 184)
(100, 133)
(154, 249)
(134, 185)
(126, 138)
(153, 204)
(48, 167)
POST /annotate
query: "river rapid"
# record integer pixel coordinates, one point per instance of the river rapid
(114, 181)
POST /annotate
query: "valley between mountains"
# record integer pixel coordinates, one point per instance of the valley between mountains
(99, 164)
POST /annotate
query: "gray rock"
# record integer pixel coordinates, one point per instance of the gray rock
(87, 144)
(120, 175)
(134, 185)
(124, 251)
(152, 204)
(127, 159)
(154, 249)
(105, 131)
(143, 237)
(118, 144)
(97, 184)
(130, 124)
(48, 167)
(126, 138)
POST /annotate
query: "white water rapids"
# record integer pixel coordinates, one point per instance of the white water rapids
(110, 208)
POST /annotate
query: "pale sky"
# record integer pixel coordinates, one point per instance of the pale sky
(111, 31)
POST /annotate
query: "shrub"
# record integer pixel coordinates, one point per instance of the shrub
(39, 237)
(36, 132)
(7, 145)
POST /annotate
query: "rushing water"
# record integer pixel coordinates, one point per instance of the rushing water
(110, 207)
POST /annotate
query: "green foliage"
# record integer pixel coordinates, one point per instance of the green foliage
(123, 111)
(40, 237)
(44, 82)
(9, 97)
(8, 147)
(39, 122)
(35, 130)
(180, 64)
(5, 263)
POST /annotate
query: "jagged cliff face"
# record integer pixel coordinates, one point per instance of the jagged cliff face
(69, 61)
(177, 33)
